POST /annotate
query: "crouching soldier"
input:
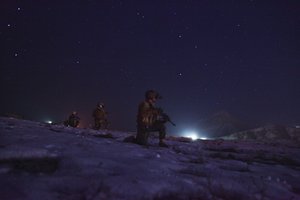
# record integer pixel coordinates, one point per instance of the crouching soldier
(73, 120)
(100, 117)
(148, 120)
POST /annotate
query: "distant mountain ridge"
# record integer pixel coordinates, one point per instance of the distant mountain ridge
(221, 124)
(268, 132)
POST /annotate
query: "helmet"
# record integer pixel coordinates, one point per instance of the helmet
(101, 105)
(150, 94)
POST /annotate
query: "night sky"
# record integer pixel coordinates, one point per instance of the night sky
(202, 56)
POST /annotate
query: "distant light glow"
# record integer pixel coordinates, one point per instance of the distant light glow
(192, 134)
(49, 122)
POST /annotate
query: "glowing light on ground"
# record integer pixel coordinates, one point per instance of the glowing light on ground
(49, 122)
(192, 135)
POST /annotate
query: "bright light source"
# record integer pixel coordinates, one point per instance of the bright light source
(203, 138)
(49, 122)
(192, 135)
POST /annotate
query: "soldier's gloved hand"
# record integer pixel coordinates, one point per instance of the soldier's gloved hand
(160, 118)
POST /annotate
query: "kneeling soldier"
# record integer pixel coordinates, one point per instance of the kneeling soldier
(149, 120)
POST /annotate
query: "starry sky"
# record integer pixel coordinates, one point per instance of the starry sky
(202, 56)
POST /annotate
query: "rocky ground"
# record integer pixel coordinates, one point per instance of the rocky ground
(42, 161)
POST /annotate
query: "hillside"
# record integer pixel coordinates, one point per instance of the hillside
(221, 124)
(42, 161)
(269, 132)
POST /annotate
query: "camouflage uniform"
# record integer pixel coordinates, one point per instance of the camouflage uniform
(147, 121)
(100, 117)
(73, 120)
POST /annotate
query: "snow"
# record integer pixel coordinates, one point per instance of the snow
(44, 161)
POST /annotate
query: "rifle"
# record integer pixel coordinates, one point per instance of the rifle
(164, 117)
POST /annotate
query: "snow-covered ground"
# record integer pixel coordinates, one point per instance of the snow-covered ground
(41, 161)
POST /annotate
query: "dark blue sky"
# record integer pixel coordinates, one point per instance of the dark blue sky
(202, 56)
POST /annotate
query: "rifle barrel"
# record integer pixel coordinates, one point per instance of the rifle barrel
(172, 123)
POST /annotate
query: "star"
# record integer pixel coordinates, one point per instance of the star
(77, 62)
(140, 14)
(8, 25)
(19, 9)
(16, 54)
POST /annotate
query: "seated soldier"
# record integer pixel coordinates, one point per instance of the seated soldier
(148, 120)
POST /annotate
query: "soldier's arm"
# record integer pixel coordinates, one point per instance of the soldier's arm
(146, 110)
